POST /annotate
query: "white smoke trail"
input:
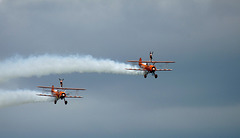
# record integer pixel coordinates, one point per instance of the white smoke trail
(10, 98)
(53, 64)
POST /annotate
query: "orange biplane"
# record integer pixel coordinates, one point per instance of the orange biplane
(149, 68)
(59, 92)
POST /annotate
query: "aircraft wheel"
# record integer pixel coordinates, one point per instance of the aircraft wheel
(156, 75)
(55, 101)
(145, 75)
(66, 102)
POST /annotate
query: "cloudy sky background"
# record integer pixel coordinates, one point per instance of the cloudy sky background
(199, 98)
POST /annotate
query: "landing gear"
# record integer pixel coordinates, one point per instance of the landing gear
(65, 102)
(55, 101)
(153, 74)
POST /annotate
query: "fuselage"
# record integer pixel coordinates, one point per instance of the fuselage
(59, 94)
(149, 68)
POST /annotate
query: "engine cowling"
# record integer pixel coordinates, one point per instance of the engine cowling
(63, 95)
(153, 69)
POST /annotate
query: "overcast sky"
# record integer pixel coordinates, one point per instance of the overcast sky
(199, 98)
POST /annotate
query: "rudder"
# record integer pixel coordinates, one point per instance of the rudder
(52, 89)
(140, 62)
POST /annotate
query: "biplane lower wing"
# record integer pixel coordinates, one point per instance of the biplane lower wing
(164, 70)
(137, 69)
(155, 70)
(45, 95)
(74, 97)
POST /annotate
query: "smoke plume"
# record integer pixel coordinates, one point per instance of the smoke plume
(53, 64)
(11, 98)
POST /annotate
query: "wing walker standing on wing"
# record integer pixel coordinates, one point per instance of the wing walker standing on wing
(149, 68)
(60, 92)
(61, 82)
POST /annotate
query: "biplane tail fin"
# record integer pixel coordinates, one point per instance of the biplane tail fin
(140, 62)
(52, 89)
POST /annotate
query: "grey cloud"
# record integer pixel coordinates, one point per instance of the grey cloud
(199, 98)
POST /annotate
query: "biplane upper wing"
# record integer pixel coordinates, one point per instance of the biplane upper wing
(151, 61)
(46, 87)
(133, 61)
(158, 61)
(69, 88)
